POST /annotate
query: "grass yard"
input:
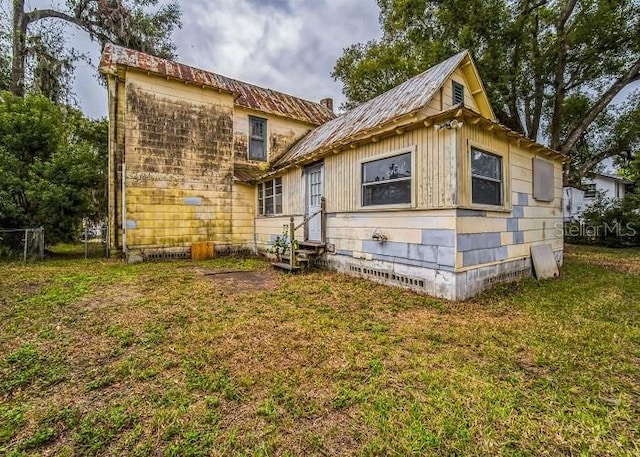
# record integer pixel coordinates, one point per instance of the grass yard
(101, 358)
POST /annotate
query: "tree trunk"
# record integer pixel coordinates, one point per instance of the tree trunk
(538, 79)
(21, 21)
(632, 74)
(559, 84)
(19, 47)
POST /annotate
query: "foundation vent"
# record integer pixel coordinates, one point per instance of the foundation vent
(234, 250)
(167, 254)
(386, 276)
(507, 277)
(320, 262)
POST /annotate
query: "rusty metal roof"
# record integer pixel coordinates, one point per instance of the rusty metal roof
(247, 173)
(408, 97)
(247, 95)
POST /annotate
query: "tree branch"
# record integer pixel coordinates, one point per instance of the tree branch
(87, 26)
(37, 15)
(632, 74)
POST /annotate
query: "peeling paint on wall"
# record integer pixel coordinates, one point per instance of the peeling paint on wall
(171, 131)
(281, 142)
(179, 155)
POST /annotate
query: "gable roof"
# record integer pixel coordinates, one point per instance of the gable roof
(409, 97)
(622, 179)
(246, 95)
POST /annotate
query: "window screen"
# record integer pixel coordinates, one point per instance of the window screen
(387, 181)
(486, 178)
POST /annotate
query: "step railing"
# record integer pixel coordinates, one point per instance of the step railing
(305, 222)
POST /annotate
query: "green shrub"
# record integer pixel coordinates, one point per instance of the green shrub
(607, 222)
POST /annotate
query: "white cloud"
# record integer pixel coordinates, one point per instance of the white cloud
(289, 46)
(286, 45)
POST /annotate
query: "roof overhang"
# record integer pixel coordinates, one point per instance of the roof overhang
(463, 115)
(414, 120)
(477, 89)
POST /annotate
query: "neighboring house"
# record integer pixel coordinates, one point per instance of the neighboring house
(576, 201)
(420, 187)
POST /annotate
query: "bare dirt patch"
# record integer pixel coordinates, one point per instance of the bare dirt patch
(242, 281)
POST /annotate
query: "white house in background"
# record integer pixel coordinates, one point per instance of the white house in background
(576, 201)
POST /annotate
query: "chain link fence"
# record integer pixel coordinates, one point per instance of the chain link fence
(93, 239)
(24, 244)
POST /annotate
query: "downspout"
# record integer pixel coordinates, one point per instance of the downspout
(124, 209)
(123, 214)
(114, 166)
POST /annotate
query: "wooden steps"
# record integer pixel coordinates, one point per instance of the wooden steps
(306, 252)
(311, 245)
(286, 266)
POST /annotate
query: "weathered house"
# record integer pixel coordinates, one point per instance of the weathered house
(420, 187)
(577, 201)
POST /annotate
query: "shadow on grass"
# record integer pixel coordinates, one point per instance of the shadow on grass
(74, 251)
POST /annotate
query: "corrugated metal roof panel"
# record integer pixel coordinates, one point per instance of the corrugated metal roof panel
(247, 173)
(249, 95)
(406, 98)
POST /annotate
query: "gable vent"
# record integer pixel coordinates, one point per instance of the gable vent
(458, 93)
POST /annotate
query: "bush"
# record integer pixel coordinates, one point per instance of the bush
(613, 223)
(52, 166)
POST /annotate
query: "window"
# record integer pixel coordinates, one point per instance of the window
(486, 178)
(257, 138)
(589, 191)
(458, 93)
(387, 181)
(270, 197)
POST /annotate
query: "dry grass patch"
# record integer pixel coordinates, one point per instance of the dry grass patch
(230, 358)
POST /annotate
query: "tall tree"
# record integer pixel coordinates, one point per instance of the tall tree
(533, 55)
(126, 22)
(53, 166)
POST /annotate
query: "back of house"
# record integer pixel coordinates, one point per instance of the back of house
(420, 187)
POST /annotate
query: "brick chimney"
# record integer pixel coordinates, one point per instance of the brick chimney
(327, 103)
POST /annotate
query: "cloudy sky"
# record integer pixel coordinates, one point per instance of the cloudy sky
(287, 45)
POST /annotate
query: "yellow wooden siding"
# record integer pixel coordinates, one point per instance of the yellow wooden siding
(267, 228)
(434, 171)
(178, 156)
(443, 99)
(488, 141)
(281, 134)
(243, 210)
(537, 222)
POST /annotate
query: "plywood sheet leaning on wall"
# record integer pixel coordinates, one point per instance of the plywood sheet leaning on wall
(544, 262)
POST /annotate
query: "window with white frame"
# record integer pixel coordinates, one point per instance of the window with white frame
(270, 197)
(486, 178)
(257, 138)
(387, 181)
(590, 191)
